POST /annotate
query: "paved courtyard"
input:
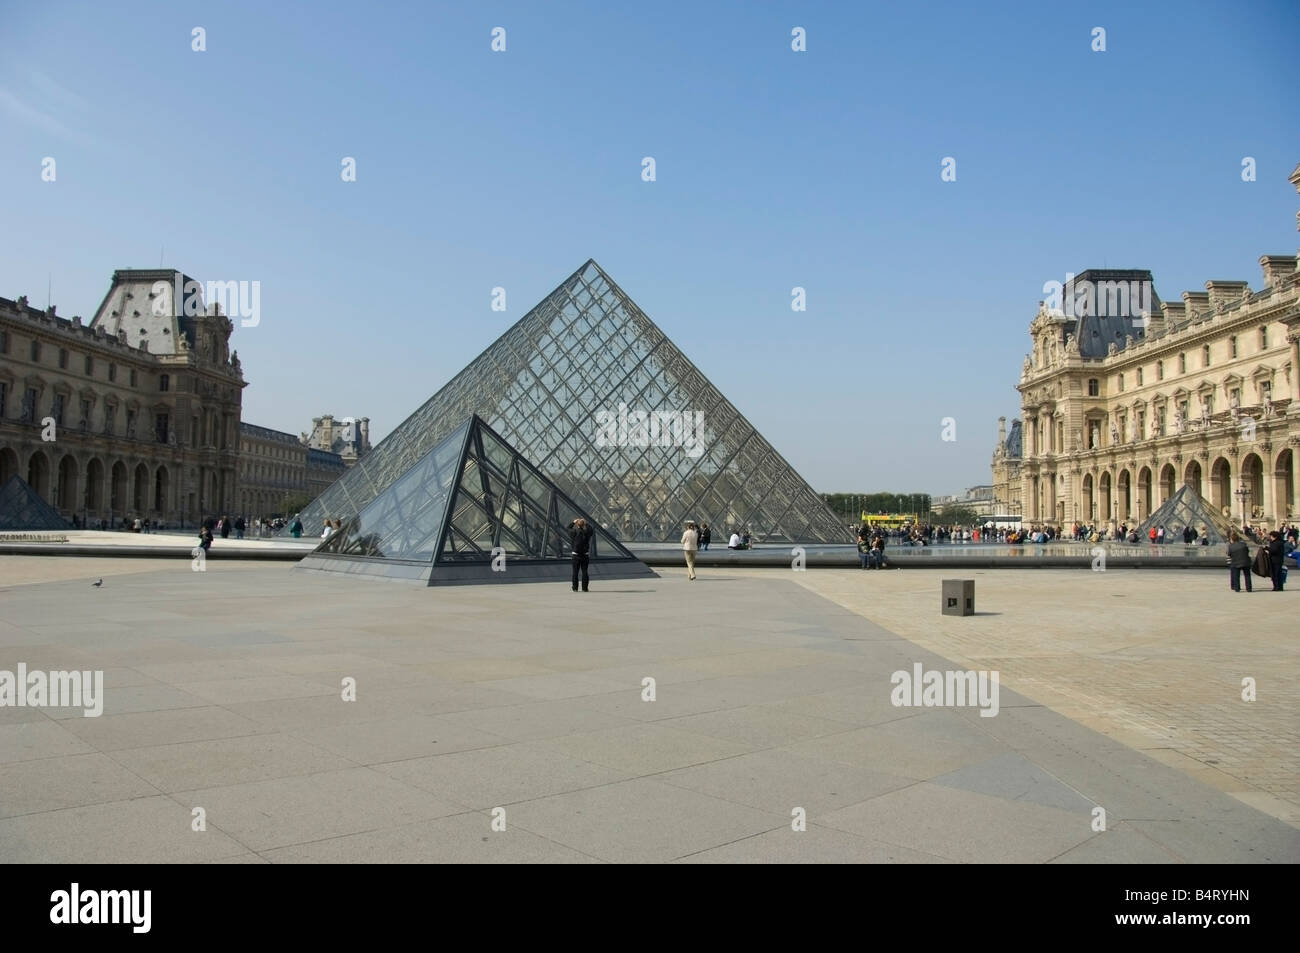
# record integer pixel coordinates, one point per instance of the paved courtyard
(772, 701)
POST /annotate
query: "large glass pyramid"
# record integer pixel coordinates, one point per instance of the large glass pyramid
(1187, 508)
(21, 507)
(593, 393)
(471, 510)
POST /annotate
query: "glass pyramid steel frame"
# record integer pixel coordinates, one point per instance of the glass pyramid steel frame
(594, 394)
(21, 507)
(471, 510)
(1187, 508)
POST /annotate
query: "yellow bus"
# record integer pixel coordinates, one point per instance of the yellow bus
(889, 520)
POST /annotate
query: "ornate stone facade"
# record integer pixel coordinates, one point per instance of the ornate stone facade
(349, 437)
(145, 405)
(323, 468)
(272, 468)
(276, 468)
(1206, 392)
(1006, 469)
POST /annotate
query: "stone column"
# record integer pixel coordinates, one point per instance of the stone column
(1267, 503)
(1294, 339)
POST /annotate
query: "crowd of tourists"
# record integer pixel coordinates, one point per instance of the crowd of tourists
(258, 527)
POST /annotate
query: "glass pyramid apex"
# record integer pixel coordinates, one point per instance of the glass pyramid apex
(603, 404)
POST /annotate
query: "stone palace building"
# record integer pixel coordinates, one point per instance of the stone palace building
(277, 469)
(1125, 398)
(134, 414)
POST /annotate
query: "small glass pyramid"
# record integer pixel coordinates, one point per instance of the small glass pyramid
(1188, 508)
(21, 507)
(471, 510)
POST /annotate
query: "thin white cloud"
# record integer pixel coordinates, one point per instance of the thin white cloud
(47, 87)
(49, 107)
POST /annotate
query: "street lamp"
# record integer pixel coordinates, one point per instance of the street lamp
(1242, 493)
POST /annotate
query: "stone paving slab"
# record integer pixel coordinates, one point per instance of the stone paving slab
(1152, 658)
(769, 698)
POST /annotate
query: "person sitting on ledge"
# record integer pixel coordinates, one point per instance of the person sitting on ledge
(734, 542)
(876, 558)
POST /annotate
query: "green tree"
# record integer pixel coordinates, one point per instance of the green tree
(956, 514)
(295, 503)
(852, 505)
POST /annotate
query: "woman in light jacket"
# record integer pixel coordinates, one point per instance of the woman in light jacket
(690, 543)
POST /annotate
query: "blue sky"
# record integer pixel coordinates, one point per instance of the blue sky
(775, 169)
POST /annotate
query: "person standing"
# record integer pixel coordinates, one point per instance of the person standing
(225, 527)
(864, 549)
(1238, 562)
(239, 527)
(580, 543)
(706, 537)
(690, 544)
(1277, 559)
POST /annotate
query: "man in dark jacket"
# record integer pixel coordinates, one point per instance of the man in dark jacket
(580, 542)
(1277, 558)
(1238, 562)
